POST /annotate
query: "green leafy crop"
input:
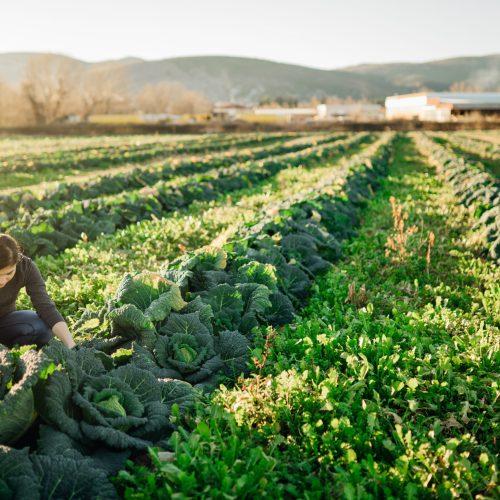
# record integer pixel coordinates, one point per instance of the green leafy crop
(19, 374)
(120, 408)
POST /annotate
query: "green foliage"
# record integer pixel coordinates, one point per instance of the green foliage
(345, 400)
(17, 478)
(129, 321)
(187, 350)
(474, 187)
(47, 231)
(20, 372)
(38, 166)
(124, 407)
(233, 469)
(395, 398)
(96, 267)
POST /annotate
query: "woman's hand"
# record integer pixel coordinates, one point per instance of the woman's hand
(61, 331)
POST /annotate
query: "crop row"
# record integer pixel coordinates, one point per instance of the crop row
(187, 327)
(473, 151)
(138, 177)
(490, 136)
(49, 231)
(23, 145)
(107, 156)
(473, 187)
(43, 149)
(90, 271)
(293, 242)
(477, 146)
(33, 177)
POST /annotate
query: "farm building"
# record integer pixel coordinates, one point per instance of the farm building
(228, 110)
(159, 117)
(441, 106)
(286, 114)
(350, 111)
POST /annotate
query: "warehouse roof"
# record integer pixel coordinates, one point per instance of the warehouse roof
(455, 97)
(459, 100)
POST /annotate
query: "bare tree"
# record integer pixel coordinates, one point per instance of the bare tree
(190, 102)
(48, 85)
(100, 91)
(173, 97)
(464, 87)
(314, 102)
(14, 110)
(157, 98)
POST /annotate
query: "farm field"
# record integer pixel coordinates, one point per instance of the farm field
(283, 315)
(43, 166)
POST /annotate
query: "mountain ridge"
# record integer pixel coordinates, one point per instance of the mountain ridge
(230, 78)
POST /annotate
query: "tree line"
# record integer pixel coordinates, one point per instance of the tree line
(55, 88)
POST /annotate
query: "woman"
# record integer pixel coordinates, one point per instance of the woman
(26, 327)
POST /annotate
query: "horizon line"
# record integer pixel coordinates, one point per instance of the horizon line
(143, 59)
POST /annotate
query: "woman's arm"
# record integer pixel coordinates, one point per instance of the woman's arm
(61, 331)
(37, 291)
(45, 307)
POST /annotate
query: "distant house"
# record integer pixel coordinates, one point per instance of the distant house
(286, 114)
(71, 118)
(159, 117)
(350, 111)
(441, 106)
(228, 110)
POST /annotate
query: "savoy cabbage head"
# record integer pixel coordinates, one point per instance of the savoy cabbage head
(19, 374)
(60, 478)
(151, 293)
(38, 477)
(187, 350)
(120, 408)
(142, 301)
(203, 269)
(17, 477)
(206, 259)
(281, 271)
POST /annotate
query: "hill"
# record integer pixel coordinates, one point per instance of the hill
(246, 79)
(483, 72)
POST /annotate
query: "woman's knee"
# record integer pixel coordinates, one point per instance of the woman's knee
(41, 332)
(23, 328)
(43, 335)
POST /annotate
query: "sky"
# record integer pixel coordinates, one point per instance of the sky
(319, 33)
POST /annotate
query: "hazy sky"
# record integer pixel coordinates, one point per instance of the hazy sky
(320, 33)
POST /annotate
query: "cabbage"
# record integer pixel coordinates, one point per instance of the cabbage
(119, 408)
(19, 374)
(187, 350)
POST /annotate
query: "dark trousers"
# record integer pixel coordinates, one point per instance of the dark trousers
(23, 328)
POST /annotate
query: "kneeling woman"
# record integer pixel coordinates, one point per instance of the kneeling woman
(26, 327)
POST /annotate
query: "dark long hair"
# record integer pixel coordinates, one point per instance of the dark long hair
(10, 251)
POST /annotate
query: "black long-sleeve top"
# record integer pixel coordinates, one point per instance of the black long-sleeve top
(28, 275)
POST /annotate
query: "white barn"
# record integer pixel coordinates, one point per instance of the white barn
(440, 106)
(287, 114)
(356, 110)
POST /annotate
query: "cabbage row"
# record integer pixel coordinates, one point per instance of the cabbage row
(46, 232)
(477, 146)
(165, 336)
(473, 187)
(25, 148)
(107, 156)
(486, 154)
(139, 177)
(25, 145)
